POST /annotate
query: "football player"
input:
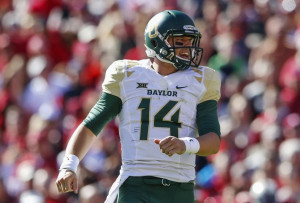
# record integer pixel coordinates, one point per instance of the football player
(167, 107)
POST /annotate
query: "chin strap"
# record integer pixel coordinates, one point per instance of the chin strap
(149, 52)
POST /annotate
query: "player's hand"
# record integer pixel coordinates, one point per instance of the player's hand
(171, 145)
(67, 181)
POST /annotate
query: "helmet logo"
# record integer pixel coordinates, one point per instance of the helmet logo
(152, 30)
(189, 28)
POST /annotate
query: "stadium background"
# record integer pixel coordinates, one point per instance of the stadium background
(53, 56)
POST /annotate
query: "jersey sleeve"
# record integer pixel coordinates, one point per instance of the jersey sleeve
(113, 76)
(212, 82)
(207, 118)
(107, 107)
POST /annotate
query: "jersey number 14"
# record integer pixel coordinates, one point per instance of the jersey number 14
(159, 121)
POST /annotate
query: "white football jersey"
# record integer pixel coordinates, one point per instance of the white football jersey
(154, 107)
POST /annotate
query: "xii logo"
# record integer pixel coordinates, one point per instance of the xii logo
(142, 85)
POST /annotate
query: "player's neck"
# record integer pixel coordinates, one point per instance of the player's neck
(163, 68)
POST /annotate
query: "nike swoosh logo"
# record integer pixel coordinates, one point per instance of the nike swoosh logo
(180, 87)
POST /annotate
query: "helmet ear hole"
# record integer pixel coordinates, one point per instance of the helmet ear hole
(154, 43)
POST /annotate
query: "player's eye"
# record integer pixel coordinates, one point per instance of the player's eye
(178, 43)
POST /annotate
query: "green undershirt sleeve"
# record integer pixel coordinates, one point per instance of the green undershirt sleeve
(107, 107)
(207, 118)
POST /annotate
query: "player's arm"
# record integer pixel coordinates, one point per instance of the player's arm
(206, 118)
(77, 147)
(80, 142)
(208, 128)
(108, 106)
(103, 111)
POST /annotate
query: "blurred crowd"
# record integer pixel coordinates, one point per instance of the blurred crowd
(53, 57)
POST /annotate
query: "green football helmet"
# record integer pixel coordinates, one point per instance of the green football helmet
(167, 24)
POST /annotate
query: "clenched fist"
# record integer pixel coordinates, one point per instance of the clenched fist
(171, 145)
(67, 181)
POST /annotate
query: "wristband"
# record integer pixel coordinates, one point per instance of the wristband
(70, 162)
(192, 145)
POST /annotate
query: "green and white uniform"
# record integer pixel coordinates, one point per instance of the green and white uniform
(154, 107)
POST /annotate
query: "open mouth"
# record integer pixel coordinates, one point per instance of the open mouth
(184, 55)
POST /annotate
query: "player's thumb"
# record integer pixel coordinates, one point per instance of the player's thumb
(157, 141)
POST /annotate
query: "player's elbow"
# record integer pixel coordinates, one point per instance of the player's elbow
(216, 145)
(209, 144)
(215, 149)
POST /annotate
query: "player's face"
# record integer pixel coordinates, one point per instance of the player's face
(181, 41)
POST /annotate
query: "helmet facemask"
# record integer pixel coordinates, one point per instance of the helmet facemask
(195, 51)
